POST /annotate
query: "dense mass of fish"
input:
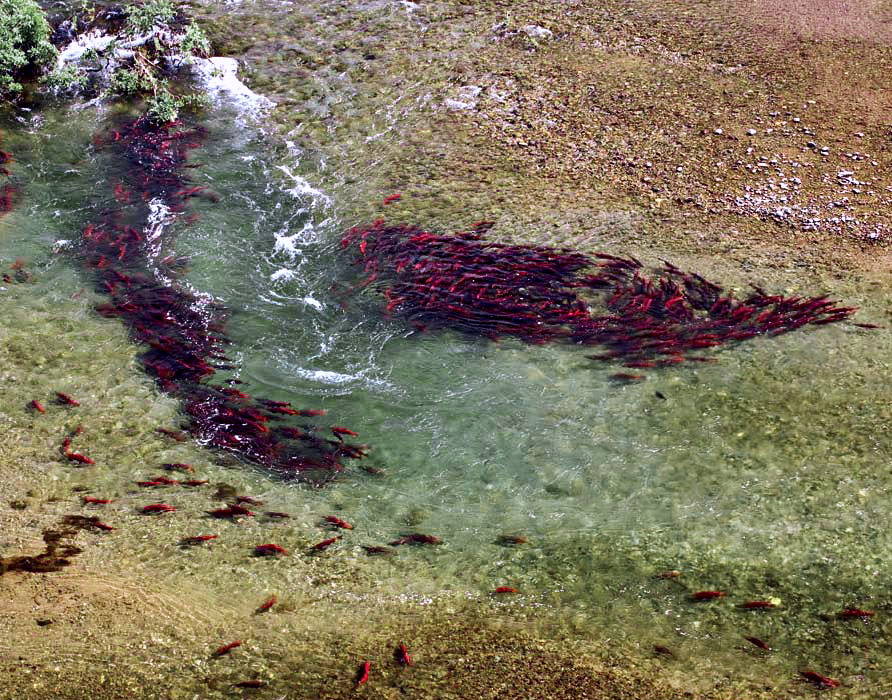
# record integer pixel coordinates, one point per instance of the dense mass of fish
(541, 294)
(184, 334)
(459, 281)
(8, 193)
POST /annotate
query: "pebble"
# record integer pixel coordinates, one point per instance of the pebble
(458, 104)
(537, 32)
(751, 132)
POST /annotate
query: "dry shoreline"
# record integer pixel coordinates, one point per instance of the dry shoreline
(555, 148)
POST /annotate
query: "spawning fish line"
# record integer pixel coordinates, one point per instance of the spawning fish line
(541, 294)
(185, 334)
(9, 192)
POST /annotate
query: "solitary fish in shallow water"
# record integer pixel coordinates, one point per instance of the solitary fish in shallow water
(178, 467)
(157, 508)
(265, 550)
(362, 673)
(373, 550)
(674, 573)
(337, 522)
(758, 642)
(267, 604)
(401, 655)
(250, 501)
(416, 538)
(511, 540)
(226, 648)
(91, 501)
(65, 399)
(230, 512)
(325, 544)
(339, 432)
(172, 434)
(819, 680)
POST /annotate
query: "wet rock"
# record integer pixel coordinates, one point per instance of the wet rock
(457, 105)
(536, 32)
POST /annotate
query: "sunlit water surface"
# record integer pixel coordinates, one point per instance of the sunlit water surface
(764, 475)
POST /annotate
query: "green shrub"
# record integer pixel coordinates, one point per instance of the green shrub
(128, 81)
(24, 42)
(195, 42)
(142, 18)
(167, 40)
(64, 79)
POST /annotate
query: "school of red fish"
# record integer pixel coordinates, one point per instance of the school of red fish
(455, 281)
(541, 294)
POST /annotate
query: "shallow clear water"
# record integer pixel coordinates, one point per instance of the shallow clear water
(764, 475)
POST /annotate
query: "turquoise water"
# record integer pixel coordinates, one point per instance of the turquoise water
(764, 475)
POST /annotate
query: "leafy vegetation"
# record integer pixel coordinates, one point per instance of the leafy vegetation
(142, 59)
(24, 42)
(143, 18)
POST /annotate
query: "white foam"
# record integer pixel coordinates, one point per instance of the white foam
(159, 217)
(303, 187)
(282, 275)
(290, 243)
(218, 75)
(94, 39)
(336, 378)
(99, 41)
